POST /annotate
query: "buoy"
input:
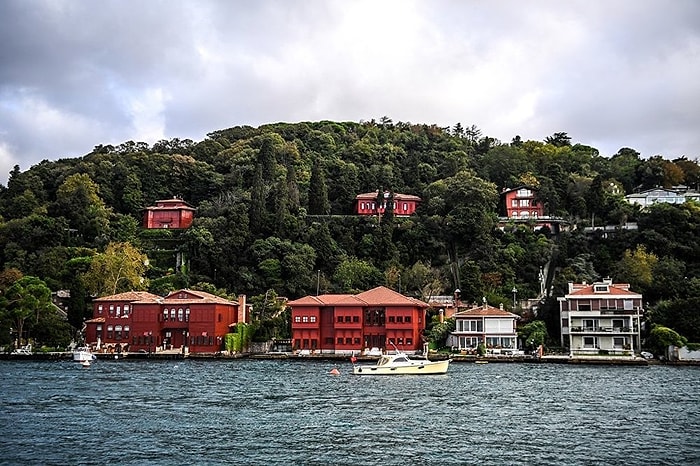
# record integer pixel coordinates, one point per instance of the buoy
(335, 371)
(86, 363)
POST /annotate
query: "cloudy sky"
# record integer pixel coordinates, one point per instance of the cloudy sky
(612, 74)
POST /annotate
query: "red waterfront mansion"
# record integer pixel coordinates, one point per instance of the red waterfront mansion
(188, 320)
(169, 213)
(344, 324)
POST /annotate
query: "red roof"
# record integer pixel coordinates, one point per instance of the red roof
(379, 296)
(614, 289)
(192, 296)
(397, 196)
(131, 296)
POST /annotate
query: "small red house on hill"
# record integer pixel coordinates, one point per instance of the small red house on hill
(193, 321)
(169, 213)
(345, 324)
(522, 203)
(404, 204)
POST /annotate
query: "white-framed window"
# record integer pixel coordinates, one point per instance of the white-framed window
(99, 308)
(601, 289)
(590, 324)
(180, 314)
(514, 203)
(305, 319)
(590, 342)
(524, 203)
(172, 314)
(126, 309)
(297, 319)
(187, 314)
(312, 319)
(522, 192)
(119, 311)
(165, 315)
(619, 342)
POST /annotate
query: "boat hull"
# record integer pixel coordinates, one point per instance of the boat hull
(414, 368)
(83, 355)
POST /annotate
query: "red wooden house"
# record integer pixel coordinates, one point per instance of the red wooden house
(522, 203)
(403, 204)
(345, 324)
(169, 213)
(192, 321)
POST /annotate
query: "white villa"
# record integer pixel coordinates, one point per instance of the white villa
(600, 318)
(493, 326)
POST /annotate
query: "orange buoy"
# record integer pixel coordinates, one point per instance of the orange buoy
(335, 372)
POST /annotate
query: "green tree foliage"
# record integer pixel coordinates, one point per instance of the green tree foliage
(275, 211)
(120, 268)
(23, 304)
(534, 334)
(660, 338)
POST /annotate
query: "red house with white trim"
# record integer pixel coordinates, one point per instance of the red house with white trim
(522, 203)
(404, 204)
(169, 213)
(193, 321)
(346, 324)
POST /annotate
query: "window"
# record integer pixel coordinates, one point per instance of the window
(524, 203)
(348, 341)
(355, 319)
(340, 319)
(590, 324)
(312, 319)
(399, 319)
(619, 342)
(126, 309)
(297, 319)
(407, 319)
(400, 341)
(514, 203)
(470, 326)
(219, 318)
(524, 192)
(600, 289)
(118, 332)
(181, 315)
(357, 340)
(391, 319)
(111, 309)
(584, 307)
(126, 332)
(348, 318)
(329, 340)
(110, 332)
(590, 342)
(409, 341)
(165, 315)
(305, 319)
(119, 311)
(339, 341)
(99, 309)
(172, 314)
(405, 207)
(187, 314)
(618, 324)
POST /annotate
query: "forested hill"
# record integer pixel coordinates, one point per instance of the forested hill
(275, 214)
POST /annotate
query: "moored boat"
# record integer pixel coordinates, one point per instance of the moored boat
(400, 363)
(82, 354)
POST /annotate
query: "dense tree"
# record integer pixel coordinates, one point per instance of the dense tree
(24, 303)
(120, 268)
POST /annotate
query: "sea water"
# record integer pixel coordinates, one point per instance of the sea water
(290, 412)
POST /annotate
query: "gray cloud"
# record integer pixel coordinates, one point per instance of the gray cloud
(77, 74)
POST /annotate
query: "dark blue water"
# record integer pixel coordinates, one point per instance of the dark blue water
(295, 412)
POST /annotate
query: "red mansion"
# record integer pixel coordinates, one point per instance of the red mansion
(345, 324)
(192, 321)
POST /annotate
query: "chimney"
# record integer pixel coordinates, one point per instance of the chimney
(442, 316)
(571, 287)
(242, 309)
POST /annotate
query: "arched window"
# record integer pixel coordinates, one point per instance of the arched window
(180, 314)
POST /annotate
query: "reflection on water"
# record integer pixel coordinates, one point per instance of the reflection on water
(295, 412)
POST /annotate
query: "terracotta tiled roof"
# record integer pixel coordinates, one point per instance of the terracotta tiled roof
(96, 320)
(397, 196)
(619, 289)
(131, 296)
(195, 297)
(378, 296)
(384, 295)
(485, 311)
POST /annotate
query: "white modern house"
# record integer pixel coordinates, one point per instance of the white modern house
(493, 326)
(673, 195)
(602, 318)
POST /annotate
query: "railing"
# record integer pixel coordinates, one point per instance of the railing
(601, 329)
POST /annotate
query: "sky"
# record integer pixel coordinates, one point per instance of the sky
(75, 74)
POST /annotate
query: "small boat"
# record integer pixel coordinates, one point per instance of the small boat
(82, 354)
(85, 363)
(401, 363)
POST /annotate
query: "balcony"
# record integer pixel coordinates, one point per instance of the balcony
(601, 329)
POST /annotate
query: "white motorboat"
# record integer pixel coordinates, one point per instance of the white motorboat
(82, 354)
(401, 363)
